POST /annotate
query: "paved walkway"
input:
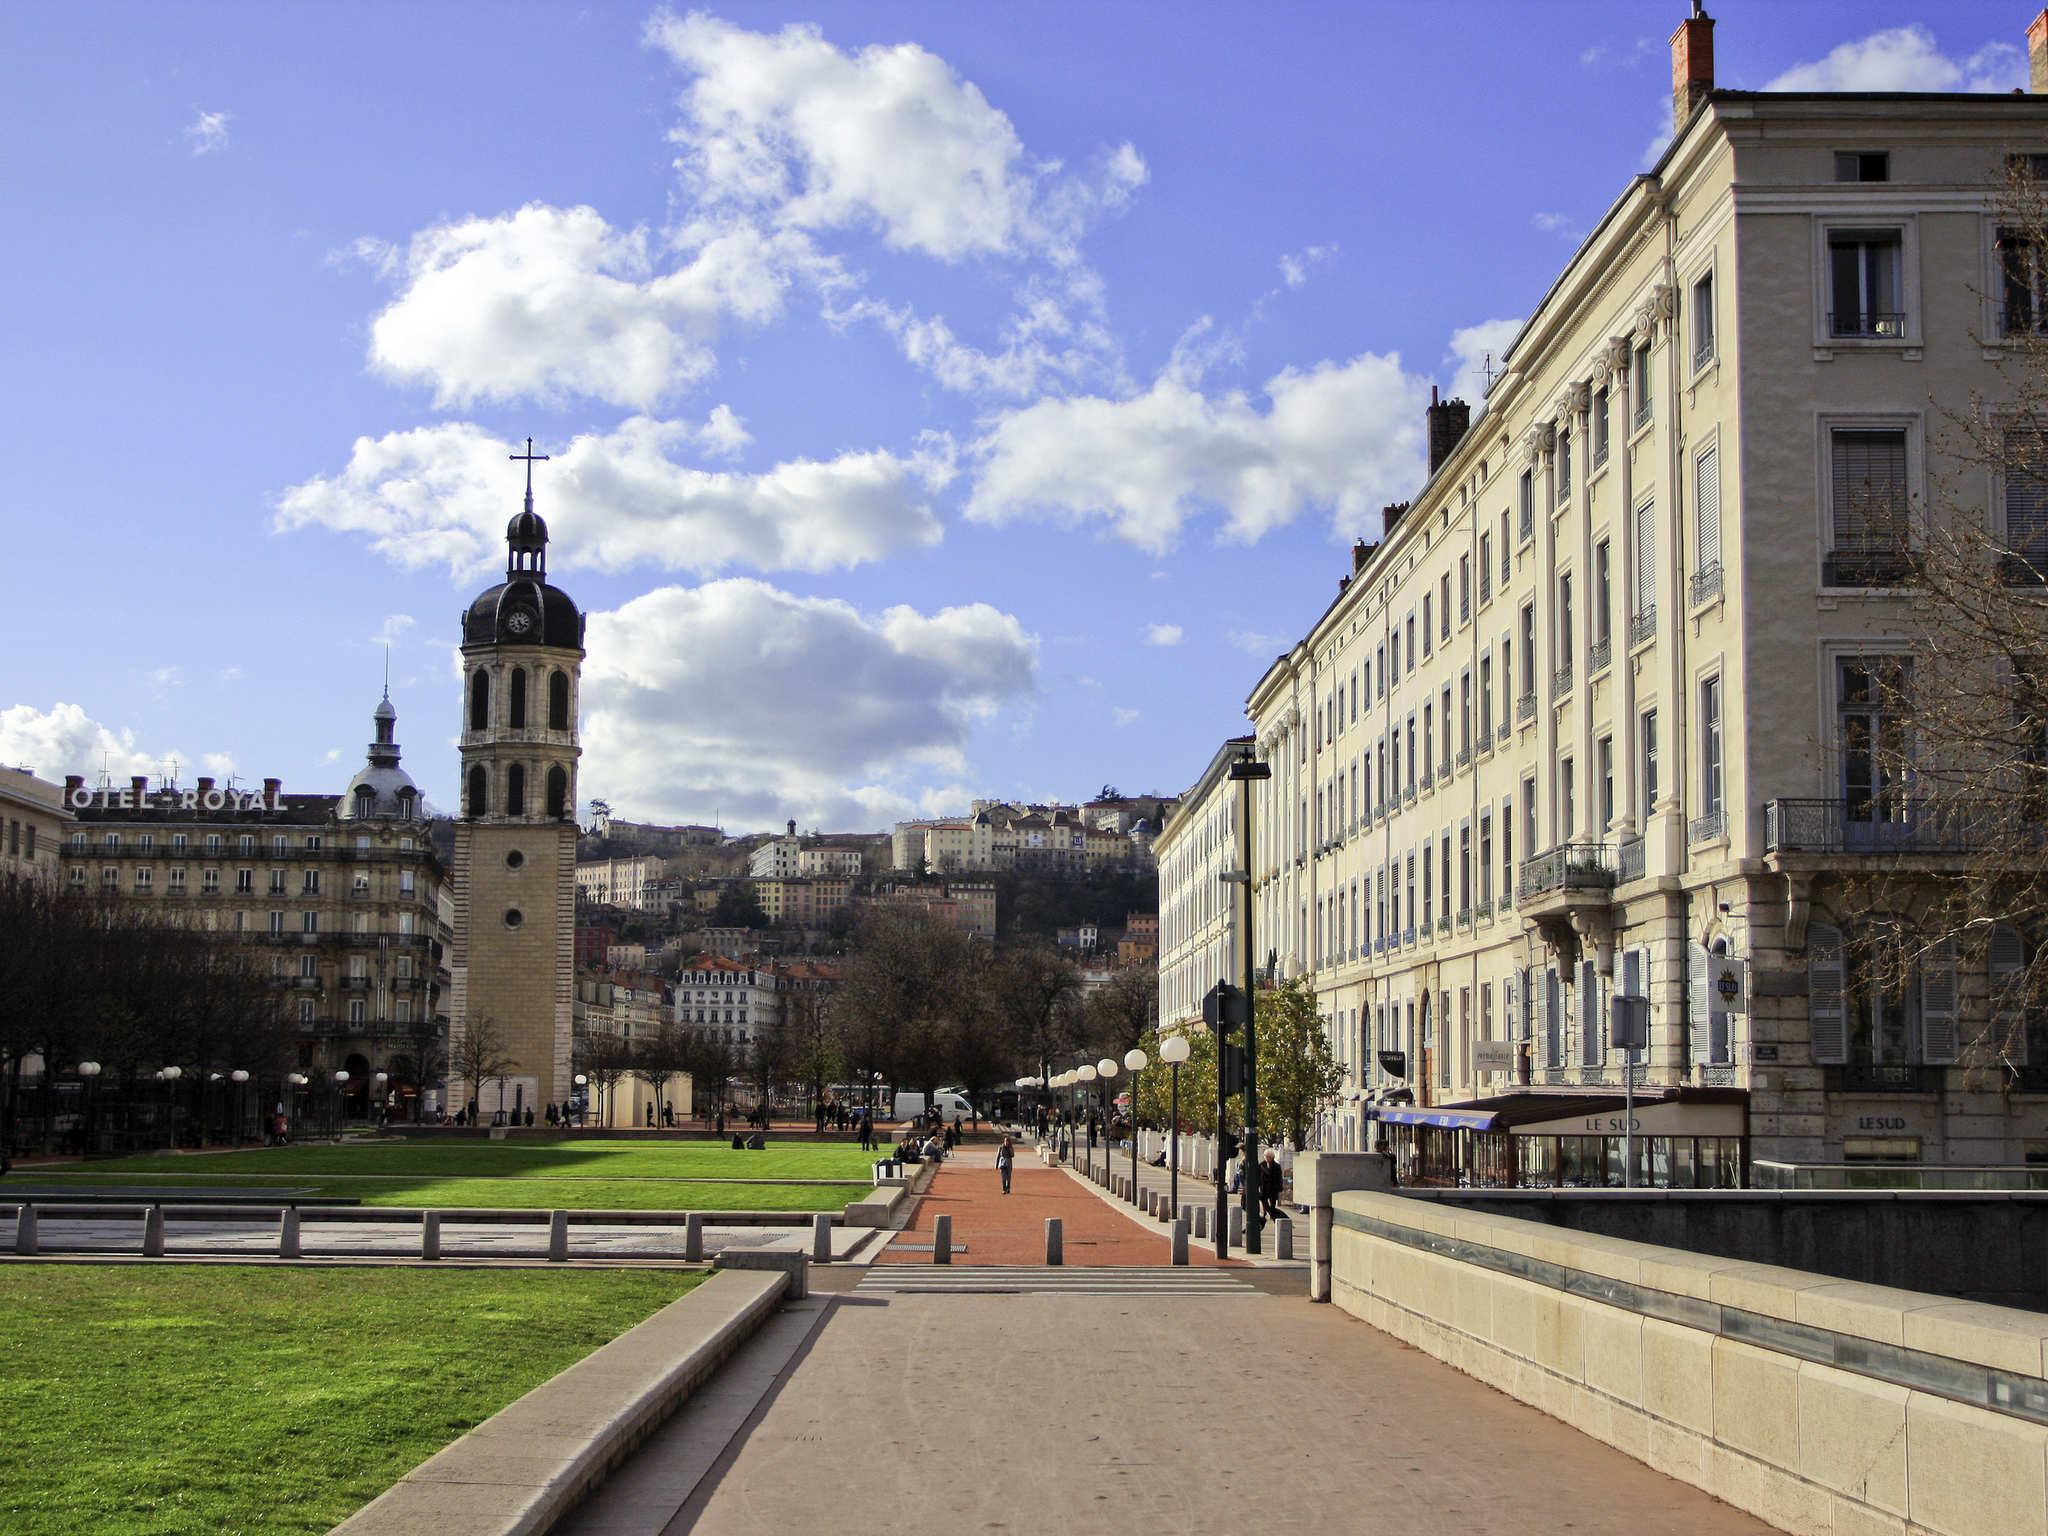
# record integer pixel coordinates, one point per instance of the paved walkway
(996, 1228)
(1049, 1413)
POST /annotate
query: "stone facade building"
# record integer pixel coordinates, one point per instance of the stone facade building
(1586, 721)
(32, 819)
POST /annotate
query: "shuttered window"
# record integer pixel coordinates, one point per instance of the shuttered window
(1699, 1001)
(1643, 598)
(1824, 1012)
(2026, 495)
(1553, 1020)
(1591, 1036)
(1707, 507)
(1938, 1005)
(1868, 488)
(2006, 960)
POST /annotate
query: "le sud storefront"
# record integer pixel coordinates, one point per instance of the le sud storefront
(1684, 1138)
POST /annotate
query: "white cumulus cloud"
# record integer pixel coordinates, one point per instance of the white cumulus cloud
(1296, 266)
(207, 133)
(1342, 436)
(555, 302)
(1907, 59)
(741, 699)
(65, 739)
(441, 495)
(1164, 634)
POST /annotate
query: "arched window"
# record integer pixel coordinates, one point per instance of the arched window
(479, 802)
(515, 790)
(558, 790)
(479, 700)
(558, 700)
(515, 704)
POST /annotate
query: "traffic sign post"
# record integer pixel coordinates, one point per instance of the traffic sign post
(1629, 1029)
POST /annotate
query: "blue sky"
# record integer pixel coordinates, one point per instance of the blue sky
(945, 400)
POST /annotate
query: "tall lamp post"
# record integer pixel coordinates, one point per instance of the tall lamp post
(1135, 1061)
(90, 1071)
(240, 1079)
(1105, 1074)
(1245, 770)
(340, 1109)
(170, 1076)
(582, 1101)
(1173, 1050)
(1084, 1075)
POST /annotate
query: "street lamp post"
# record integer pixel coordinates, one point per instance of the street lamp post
(297, 1082)
(1173, 1050)
(240, 1079)
(90, 1071)
(1084, 1075)
(170, 1076)
(1245, 770)
(1105, 1073)
(1135, 1061)
(340, 1109)
(582, 1099)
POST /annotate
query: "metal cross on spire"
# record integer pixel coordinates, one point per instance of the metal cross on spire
(530, 458)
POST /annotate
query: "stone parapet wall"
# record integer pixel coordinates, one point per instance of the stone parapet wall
(1818, 1404)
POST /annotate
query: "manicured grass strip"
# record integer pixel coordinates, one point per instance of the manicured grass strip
(503, 1194)
(177, 1400)
(521, 1159)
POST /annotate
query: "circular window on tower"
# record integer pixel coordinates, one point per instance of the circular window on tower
(515, 859)
(514, 917)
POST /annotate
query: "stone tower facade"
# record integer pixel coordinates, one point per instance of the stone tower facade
(515, 844)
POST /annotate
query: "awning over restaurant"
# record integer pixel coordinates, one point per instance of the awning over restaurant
(1447, 1119)
(1683, 1112)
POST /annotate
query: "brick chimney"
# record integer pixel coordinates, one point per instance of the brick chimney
(1390, 517)
(270, 789)
(205, 786)
(1692, 65)
(2037, 54)
(1448, 421)
(72, 783)
(139, 783)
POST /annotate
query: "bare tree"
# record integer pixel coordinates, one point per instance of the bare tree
(660, 1057)
(479, 1055)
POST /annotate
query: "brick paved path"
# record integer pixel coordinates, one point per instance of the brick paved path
(1010, 1229)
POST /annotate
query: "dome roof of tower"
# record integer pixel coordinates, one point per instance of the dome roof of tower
(524, 612)
(526, 530)
(390, 793)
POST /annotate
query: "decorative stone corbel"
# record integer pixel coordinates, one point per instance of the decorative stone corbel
(1539, 440)
(1596, 927)
(1614, 356)
(1798, 909)
(1562, 939)
(1581, 397)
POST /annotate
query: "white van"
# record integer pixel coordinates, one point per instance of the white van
(951, 1106)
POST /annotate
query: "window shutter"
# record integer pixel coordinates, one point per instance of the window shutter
(1869, 484)
(1553, 1018)
(2026, 494)
(1645, 597)
(2007, 958)
(1707, 508)
(1824, 1013)
(1938, 1005)
(1698, 1003)
(1507, 1017)
(1590, 1040)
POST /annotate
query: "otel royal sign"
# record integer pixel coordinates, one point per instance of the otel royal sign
(107, 798)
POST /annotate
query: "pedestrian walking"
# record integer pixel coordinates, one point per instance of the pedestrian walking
(1270, 1179)
(1006, 1159)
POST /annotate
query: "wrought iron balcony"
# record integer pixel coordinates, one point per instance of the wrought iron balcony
(1706, 584)
(1642, 626)
(1703, 354)
(1602, 653)
(1629, 860)
(1525, 709)
(1872, 1077)
(1874, 567)
(1561, 681)
(1884, 824)
(1867, 325)
(1464, 757)
(1571, 866)
(1704, 829)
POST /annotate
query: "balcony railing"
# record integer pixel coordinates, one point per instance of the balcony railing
(1884, 824)
(1866, 568)
(1641, 417)
(1867, 325)
(1407, 935)
(1525, 708)
(1706, 584)
(1642, 626)
(1561, 681)
(1703, 354)
(1602, 654)
(1872, 1077)
(1629, 860)
(1704, 829)
(1572, 866)
(1464, 757)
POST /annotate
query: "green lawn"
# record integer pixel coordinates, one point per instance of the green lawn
(177, 1399)
(509, 1193)
(524, 1159)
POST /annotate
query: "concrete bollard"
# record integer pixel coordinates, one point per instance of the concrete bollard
(1148, 1199)
(1237, 1226)
(25, 1230)
(942, 1239)
(693, 1238)
(821, 1238)
(153, 1232)
(558, 1237)
(430, 1234)
(1180, 1242)
(1283, 1238)
(287, 1234)
(1052, 1240)
(1202, 1221)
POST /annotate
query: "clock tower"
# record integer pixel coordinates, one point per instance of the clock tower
(513, 967)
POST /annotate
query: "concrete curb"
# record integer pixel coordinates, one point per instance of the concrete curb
(525, 1467)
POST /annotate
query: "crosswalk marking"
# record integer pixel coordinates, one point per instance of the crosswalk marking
(987, 1280)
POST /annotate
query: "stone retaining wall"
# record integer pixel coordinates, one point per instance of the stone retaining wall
(1818, 1404)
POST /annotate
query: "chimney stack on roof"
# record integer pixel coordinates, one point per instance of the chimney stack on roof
(2037, 55)
(1390, 516)
(1692, 65)
(139, 783)
(1448, 422)
(270, 789)
(205, 786)
(73, 781)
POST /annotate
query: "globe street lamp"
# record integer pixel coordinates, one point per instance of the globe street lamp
(240, 1079)
(340, 1109)
(170, 1076)
(1105, 1071)
(582, 1086)
(1083, 1076)
(379, 1082)
(1135, 1061)
(90, 1071)
(1173, 1050)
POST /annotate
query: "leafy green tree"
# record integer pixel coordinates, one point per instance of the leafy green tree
(1298, 1073)
(738, 907)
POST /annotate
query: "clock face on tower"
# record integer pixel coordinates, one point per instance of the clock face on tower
(519, 622)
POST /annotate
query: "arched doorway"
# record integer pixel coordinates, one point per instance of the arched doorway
(355, 1097)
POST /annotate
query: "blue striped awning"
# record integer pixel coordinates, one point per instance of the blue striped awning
(1447, 1119)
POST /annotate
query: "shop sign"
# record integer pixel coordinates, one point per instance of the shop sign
(1493, 1055)
(1724, 977)
(1650, 1120)
(108, 798)
(1886, 1125)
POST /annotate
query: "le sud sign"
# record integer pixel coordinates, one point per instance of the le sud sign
(108, 798)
